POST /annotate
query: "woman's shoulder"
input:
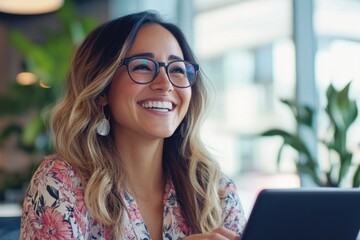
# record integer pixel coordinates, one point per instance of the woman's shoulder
(233, 213)
(227, 189)
(226, 183)
(55, 200)
(55, 163)
(56, 168)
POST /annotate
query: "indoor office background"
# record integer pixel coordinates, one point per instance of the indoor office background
(254, 52)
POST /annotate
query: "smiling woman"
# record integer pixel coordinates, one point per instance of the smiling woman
(156, 86)
(147, 175)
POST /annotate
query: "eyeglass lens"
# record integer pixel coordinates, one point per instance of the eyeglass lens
(180, 73)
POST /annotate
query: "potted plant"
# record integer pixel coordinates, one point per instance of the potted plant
(49, 60)
(341, 112)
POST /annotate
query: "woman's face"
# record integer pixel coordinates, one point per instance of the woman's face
(130, 103)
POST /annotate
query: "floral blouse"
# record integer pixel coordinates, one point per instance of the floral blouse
(54, 208)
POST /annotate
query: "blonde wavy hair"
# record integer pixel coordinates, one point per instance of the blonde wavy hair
(187, 163)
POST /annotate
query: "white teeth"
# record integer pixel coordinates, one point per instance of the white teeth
(157, 105)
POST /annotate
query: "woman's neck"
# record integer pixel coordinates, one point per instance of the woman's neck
(142, 158)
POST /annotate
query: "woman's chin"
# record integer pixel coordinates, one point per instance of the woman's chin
(163, 133)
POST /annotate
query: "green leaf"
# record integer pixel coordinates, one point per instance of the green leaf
(291, 139)
(345, 163)
(32, 130)
(291, 104)
(278, 158)
(311, 171)
(21, 42)
(348, 108)
(303, 114)
(341, 110)
(328, 176)
(356, 178)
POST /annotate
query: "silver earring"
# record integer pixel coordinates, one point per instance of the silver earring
(103, 128)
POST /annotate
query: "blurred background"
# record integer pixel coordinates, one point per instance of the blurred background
(292, 66)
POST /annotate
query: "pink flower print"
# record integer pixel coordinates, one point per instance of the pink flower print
(64, 171)
(32, 224)
(168, 188)
(231, 188)
(129, 234)
(54, 226)
(134, 212)
(234, 226)
(63, 175)
(80, 212)
(39, 181)
(180, 221)
(73, 194)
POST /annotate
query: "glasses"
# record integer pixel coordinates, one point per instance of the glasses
(142, 70)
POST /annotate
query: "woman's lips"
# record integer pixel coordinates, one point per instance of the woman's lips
(162, 106)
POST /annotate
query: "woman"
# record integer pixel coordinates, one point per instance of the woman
(130, 162)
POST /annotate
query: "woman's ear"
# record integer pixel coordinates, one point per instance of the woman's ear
(103, 100)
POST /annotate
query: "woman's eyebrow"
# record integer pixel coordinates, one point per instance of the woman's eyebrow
(174, 57)
(151, 55)
(146, 54)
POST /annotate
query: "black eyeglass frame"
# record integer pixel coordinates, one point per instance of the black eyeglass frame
(126, 61)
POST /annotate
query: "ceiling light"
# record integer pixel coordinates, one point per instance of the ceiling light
(29, 6)
(25, 78)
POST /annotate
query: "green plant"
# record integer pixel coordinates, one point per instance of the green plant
(49, 60)
(341, 112)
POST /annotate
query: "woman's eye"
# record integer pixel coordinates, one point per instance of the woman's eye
(141, 67)
(177, 70)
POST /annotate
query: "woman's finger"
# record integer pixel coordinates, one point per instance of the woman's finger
(227, 233)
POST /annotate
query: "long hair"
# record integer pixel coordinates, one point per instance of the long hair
(194, 173)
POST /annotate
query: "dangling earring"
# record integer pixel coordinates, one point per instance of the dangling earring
(103, 128)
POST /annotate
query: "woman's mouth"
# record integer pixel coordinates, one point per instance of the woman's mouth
(161, 106)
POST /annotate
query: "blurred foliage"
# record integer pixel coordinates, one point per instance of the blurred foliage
(341, 112)
(49, 59)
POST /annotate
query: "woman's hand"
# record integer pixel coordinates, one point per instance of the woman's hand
(220, 233)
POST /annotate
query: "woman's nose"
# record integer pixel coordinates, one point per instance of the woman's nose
(162, 82)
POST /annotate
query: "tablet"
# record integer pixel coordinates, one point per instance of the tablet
(305, 214)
